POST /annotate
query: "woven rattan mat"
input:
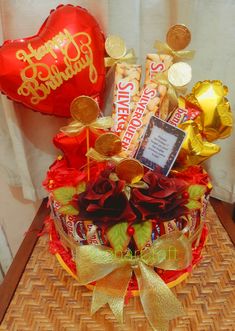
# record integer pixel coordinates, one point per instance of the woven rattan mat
(48, 299)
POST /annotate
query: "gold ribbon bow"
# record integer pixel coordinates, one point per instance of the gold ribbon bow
(172, 91)
(112, 273)
(163, 48)
(75, 127)
(128, 186)
(93, 154)
(129, 57)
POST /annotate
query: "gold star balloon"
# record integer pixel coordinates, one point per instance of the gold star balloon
(194, 149)
(216, 119)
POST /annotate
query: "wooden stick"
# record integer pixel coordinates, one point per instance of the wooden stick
(87, 149)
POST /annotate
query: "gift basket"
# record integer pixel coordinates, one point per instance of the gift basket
(128, 195)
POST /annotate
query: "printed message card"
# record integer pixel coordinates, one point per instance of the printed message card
(160, 145)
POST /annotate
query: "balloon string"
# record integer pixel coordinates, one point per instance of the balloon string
(87, 148)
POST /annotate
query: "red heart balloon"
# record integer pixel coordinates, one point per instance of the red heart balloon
(64, 60)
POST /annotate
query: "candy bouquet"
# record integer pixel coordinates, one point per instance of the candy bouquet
(128, 195)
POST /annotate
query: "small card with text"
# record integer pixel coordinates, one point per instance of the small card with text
(160, 145)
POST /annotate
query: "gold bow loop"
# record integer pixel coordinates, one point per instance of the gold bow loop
(75, 127)
(95, 155)
(172, 91)
(112, 272)
(164, 48)
(128, 186)
(129, 57)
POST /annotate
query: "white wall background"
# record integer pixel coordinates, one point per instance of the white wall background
(26, 150)
(16, 213)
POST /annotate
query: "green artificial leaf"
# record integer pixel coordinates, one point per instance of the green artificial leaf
(81, 187)
(193, 204)
(143, 232)
(64, 194)
(118, 237)
(196, 191)
(68, 210)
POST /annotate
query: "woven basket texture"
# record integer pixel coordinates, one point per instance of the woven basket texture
(48, 299)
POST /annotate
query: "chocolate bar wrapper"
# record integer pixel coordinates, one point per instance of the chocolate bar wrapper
(184, 112)
(94, 234)
(205, 201)
(149, 101)
(69, 221)
(170, 226)
(126, 93)
(156, 69)
(178, 116)
(156, 64)
(158, 230)
(79, 233)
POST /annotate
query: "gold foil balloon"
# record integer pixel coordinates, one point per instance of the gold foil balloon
(194, 149)
(226, 119)
(216, 119)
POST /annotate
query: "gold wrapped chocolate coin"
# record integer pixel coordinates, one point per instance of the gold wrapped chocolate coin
(130, 170)
(115, 47)
(108, 144)
(178, 37)
(180, 74)
(194, 149)
(216, 119)
(84, 109)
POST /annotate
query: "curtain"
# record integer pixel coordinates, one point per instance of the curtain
(26, 148)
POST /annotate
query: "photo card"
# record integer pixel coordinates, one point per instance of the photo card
(160, 145)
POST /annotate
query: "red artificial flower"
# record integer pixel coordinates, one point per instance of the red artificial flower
(194, 175)
(162, 200)
(60, 175)
(104, 201)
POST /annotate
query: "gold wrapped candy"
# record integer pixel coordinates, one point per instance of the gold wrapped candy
(115, 47)
(177, 75)
(107, 147)
(85, 111)
(177, 39)
(216, 118)
(180, 74)
(130, 170)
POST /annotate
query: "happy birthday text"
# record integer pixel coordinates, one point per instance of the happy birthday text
(40, 79)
